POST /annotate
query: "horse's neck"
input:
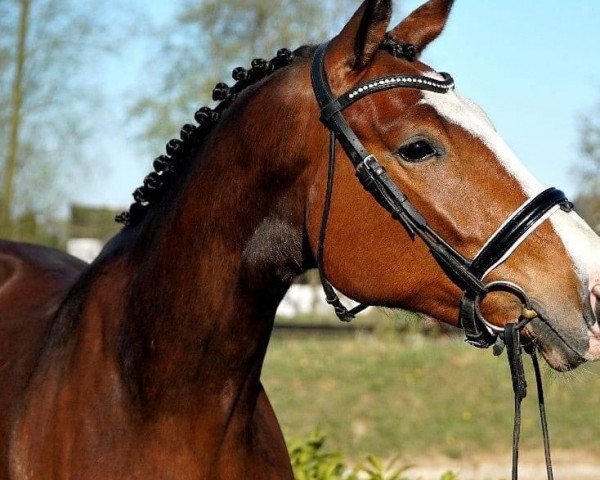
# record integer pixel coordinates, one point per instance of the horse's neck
(206, 283)
(161, 343)
(163, 338)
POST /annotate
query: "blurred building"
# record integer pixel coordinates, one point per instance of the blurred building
(89, 228)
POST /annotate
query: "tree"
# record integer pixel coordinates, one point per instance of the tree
(15, 115)
(44, 102)
(588, 198)
(208, 39)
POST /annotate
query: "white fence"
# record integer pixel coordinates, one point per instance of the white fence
(87, 249)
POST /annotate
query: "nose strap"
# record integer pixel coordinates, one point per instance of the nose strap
(518, 227)
(500, 246)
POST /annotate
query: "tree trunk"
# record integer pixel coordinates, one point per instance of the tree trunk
(10, 167)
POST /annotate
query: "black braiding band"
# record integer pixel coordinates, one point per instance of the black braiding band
(399, 50)
(180, 150)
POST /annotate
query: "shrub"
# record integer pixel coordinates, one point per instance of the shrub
(311, 461)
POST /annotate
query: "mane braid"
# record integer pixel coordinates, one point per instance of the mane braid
(180, 150)
(399, 50)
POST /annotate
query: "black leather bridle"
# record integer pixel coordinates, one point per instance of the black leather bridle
(467, 274)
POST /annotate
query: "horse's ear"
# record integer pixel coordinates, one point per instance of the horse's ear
(423, 25)
(359, 40)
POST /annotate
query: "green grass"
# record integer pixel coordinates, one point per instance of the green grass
(416, 397)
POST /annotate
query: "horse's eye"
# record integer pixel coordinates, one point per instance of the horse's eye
(417, 151)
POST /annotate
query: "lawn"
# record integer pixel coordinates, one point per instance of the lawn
(386, 395)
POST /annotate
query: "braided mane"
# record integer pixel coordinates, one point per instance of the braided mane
(181, 150)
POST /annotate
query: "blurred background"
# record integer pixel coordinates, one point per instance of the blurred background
(91, 91)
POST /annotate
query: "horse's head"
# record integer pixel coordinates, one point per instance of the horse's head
(446, 156)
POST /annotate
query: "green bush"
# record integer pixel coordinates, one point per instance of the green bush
(311, 461)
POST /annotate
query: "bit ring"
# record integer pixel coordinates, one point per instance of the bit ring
(528, 313)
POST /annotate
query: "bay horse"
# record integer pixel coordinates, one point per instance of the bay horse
(147, 363)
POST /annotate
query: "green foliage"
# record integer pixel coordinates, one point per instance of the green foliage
(449, 476)
(311, 461)
(587, 205)
(27, 228)
(590, 149)
(588, 170)
(375, 469)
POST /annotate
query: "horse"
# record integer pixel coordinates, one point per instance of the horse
(147, 362)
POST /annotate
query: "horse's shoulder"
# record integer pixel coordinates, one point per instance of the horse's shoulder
(34, 280)
(29, 262)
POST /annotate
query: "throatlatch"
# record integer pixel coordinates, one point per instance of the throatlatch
(467, 274)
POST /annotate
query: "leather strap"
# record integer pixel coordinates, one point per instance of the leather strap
(512, 340)
(516, 228)
(336, 123)
(514, 349)
(542, 409)
(386, 83)
(344, 314)
(476, 333)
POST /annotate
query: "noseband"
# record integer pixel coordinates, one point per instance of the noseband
(467, 274)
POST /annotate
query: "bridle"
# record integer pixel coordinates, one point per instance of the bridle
(467, 274)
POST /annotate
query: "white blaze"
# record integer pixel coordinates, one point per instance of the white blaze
(581, 243)
(462, 112)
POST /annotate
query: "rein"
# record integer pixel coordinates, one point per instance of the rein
(467, 274)
(510, 338)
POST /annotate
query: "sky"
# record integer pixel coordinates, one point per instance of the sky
(532, 66)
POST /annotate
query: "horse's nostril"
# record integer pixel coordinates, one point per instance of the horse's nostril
(595, 297)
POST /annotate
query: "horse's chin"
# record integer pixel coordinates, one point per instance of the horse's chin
(561, 360)
(560, 355)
